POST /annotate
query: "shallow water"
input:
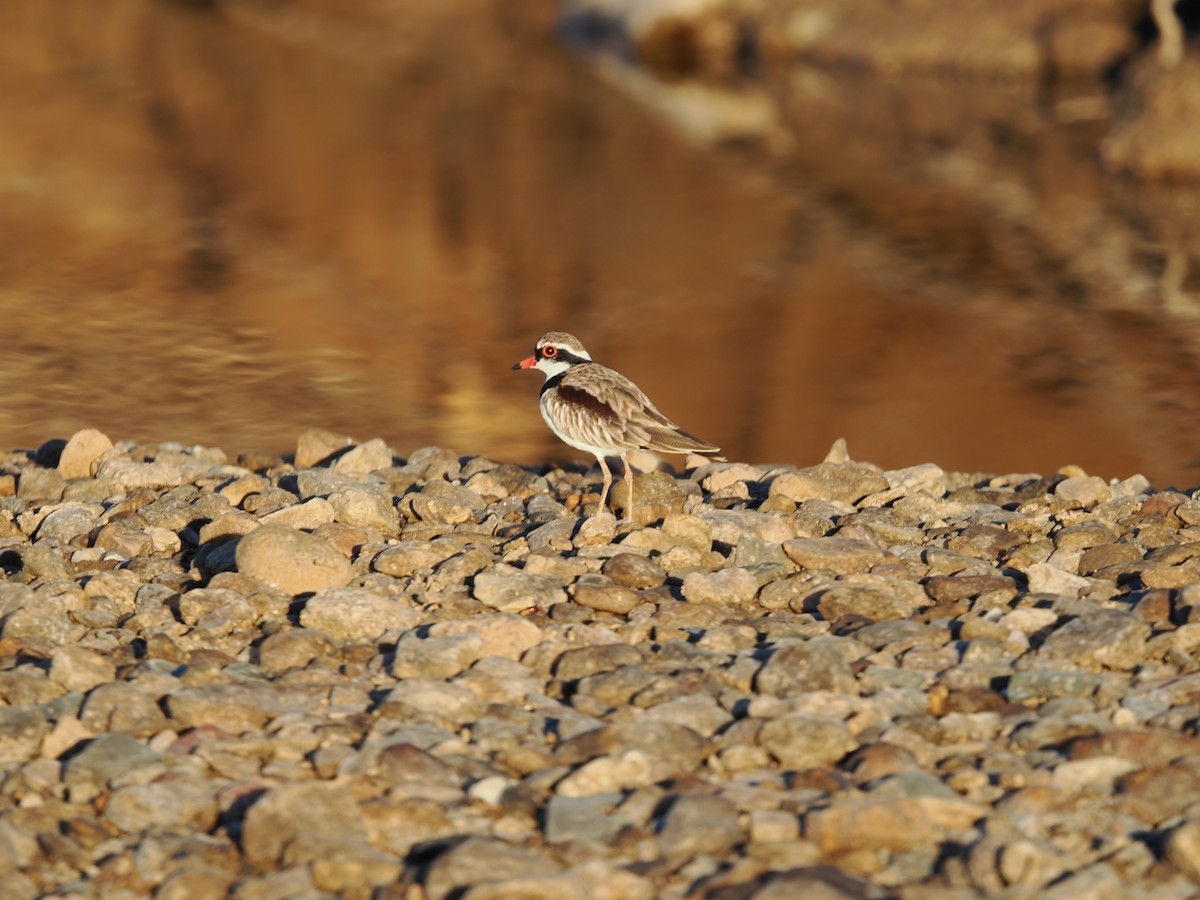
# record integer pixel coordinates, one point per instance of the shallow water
(224, 224)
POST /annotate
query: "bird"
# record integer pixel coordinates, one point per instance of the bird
(597, 409)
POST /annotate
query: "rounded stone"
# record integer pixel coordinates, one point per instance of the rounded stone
(292, 812)
(351, 613)
(81, 456)
(293, 648)
(292, 561)
(597, 592)
(634, 571)
(80, 668)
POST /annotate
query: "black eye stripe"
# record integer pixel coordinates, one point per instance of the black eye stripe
(563, 355)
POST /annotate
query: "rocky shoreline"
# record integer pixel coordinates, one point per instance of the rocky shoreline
(349, 674)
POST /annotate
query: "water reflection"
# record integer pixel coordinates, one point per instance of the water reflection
(227, 223)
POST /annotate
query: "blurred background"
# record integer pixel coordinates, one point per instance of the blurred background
(962, 233)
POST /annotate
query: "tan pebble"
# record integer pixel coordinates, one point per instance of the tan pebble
(66, 733)
(82, 454)
(1183, 850)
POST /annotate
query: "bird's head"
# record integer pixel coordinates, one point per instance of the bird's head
(554, 353)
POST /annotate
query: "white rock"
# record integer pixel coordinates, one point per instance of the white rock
(517, 591)
(1098, 772)
(356, 614)
(731, 586)
(1029, 619)
(306, 516)
(1047, 579)
(607, 773)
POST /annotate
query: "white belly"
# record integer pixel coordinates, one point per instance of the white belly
(565, 436)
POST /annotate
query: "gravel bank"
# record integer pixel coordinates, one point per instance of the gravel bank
(355, 675)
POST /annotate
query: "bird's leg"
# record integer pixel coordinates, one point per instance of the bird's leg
(607, 484)
(629, 478)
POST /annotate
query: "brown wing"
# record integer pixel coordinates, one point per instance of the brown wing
(618, 414)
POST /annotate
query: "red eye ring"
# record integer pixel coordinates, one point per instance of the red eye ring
(549, 351)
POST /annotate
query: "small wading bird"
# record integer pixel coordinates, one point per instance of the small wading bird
(591, 407)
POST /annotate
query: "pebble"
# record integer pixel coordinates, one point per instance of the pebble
(107, 758)
(290, 814)
(1105, 638)
(480, 861)
(896, 824)
(699, 823)
(509, 590)
(363, 458)
(292, 561)
(777, 682)
(803, 742)
(729, 587)
(82, 454)
(842, 554)
(822, 663)
(356, 614)
(316, 446)
(79, 668)
(607, 774)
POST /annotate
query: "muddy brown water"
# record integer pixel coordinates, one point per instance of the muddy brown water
(226, 223)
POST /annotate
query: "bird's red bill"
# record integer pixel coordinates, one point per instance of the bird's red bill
(528, 363)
